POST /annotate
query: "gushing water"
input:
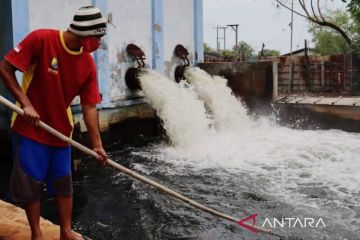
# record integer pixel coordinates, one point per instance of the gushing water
(228, 111)
(315, 171)
(183, 114)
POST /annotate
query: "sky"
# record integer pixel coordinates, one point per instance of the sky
(260, 21)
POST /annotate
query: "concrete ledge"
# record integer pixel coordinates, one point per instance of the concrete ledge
(321, 100)
(113, 116)
(340, 107)
(14, 225)
(313, 116)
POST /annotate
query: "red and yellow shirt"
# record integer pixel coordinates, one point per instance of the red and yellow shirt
(53, 76)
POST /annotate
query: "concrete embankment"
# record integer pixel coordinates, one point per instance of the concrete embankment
(14, 225)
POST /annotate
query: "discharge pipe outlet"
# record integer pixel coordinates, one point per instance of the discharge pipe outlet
(132, 74)
(181, 52)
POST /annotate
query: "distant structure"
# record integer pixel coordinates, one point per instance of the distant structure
(213, 57)
(300, 52)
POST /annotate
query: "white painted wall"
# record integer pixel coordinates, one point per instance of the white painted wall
(178, 29)
(133, 25)
(53, 14)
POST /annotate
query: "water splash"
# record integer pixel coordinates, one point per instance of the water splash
(183, 114)
(228, 111)
(282, 155)
(315, 171)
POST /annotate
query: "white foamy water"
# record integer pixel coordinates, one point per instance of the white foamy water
(280, 153)
(287, 164)
(228, 111)
(317, 172)
(183, 114)
(264, 147)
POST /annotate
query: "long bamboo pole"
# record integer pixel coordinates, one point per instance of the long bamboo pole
(135, 175)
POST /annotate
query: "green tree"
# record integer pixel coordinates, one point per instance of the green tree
(243, 50)
(312, 11)
(207, 48)
(269, 53)
(227, 53)
(354, 8)
(328, 41)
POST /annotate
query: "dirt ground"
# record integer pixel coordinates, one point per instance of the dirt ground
(14, 225)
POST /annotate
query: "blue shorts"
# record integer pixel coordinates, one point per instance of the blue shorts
(35, 164)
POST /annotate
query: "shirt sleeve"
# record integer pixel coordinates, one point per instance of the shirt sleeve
(24, 54)
(90, 91)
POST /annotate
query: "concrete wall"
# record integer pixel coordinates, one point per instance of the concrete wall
(178, 29)
(313, 117)
(319, 74)
(6, 41)
(129, 28)
(253, 82)
(53, 14)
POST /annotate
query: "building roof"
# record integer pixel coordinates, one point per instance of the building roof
(299, 51)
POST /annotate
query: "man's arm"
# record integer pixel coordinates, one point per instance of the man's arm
(92, 124)
(7, 74)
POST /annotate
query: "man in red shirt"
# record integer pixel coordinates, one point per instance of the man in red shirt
(57, 66)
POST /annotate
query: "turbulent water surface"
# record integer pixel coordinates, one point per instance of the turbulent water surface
(219, 156)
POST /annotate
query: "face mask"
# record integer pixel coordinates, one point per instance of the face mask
(90, 44)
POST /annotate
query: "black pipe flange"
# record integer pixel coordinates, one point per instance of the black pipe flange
(132, 78)
(132, 74)
(182, 53)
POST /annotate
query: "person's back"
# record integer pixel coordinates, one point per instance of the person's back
(53, 77)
